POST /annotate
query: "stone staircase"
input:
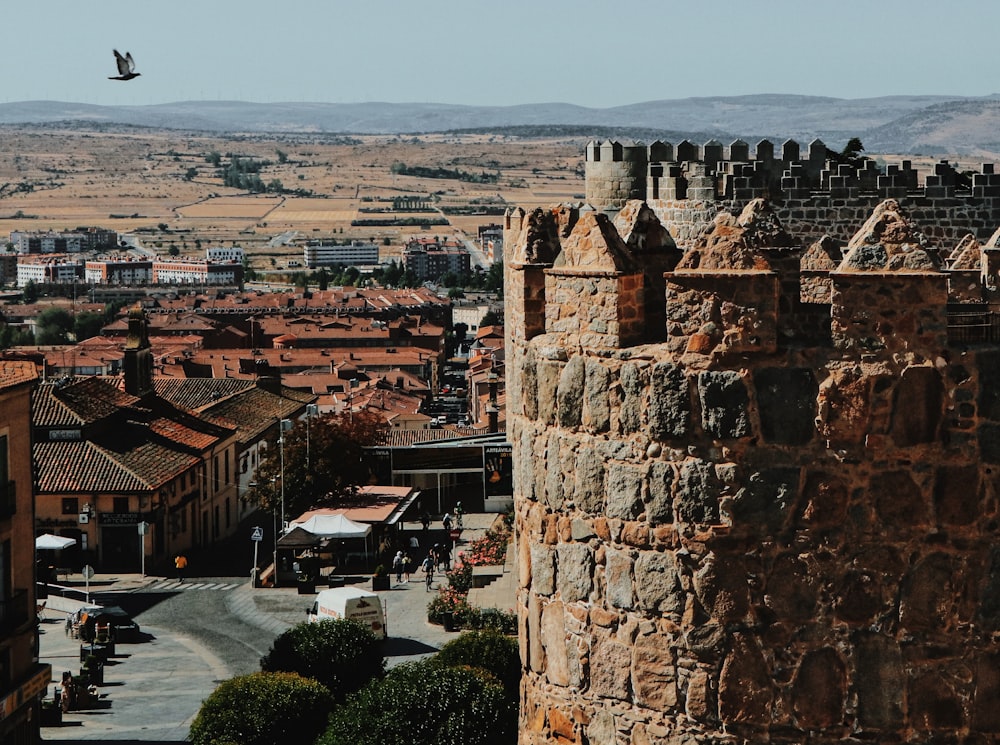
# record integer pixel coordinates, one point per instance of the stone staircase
(495, 586)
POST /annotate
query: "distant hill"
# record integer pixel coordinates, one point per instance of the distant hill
(892, 124)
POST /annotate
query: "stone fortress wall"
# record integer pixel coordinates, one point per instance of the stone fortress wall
(757, 479)
(811, 193)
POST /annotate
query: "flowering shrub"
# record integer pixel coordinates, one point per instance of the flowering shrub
(491, 548)
(453, 598)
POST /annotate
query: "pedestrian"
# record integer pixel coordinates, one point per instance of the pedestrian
(407, 566)
(444, 558)
(446, 521)
(68, 700)
(425, 520)
(397, 566)
(180, 564)
(428, 566)
(458, 514)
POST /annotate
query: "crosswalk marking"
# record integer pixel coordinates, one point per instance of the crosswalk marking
(172, 585)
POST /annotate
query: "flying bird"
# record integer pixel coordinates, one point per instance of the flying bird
(126, 66)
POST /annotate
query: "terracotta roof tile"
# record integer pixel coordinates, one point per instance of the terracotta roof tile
(14, 373)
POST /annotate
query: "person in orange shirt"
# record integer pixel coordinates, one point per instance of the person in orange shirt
(180, 564)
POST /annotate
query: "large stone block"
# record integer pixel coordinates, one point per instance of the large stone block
(654, 676)
(669, 402)
(989, 595)
(570, 395)
(934, 705)
(988, 364)
(918, 407)
(562, 663)
(926, 596)
(597, 408)
(745, 688)
(618, 579)
(878, 682)
(548, 374)
(632, 379)
(553, 472)
(624, 491)
(824, 501)
(610, 668)
(657, 583)
(791, 590)
(766, 499)
(786, 399)
(721, 587)
(543, 569)
(660, 507)
(724, 404)
(698, 490)
(819, 689)
(985, 712)
(899, 501)
(574, 571)
(588, 489)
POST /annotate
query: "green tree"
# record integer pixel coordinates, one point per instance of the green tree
(421, 703)
(214, 158)
(493, 282)
(491, 319)
(53, 326)
(282, 156)
(262, 709)
(342, 654)
(87, 324)
(30, 292)
(490, 650)
(323, 278)
(324, 462)
(173, 250)
(190, 173)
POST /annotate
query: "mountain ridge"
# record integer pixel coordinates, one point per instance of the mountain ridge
(889, 124)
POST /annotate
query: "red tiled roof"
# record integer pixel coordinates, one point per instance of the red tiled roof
(14, 373)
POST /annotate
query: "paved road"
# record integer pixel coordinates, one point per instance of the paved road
(196, 634)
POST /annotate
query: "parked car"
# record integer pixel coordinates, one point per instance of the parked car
(125, 629)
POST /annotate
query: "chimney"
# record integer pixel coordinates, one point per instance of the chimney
(138, 361)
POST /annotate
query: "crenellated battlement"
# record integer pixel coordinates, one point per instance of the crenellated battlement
(757, 478)
(682, 182)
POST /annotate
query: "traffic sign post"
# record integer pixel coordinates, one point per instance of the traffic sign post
(143, 529)
(256, 535)
(87, 572)
(454, 534)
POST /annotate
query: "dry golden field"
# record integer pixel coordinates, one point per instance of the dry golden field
(136, 179)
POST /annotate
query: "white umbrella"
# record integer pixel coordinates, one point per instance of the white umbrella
(51, 542)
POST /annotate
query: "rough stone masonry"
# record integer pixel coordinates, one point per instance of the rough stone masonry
(756, 482)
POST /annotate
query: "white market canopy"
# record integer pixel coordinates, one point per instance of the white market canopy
(334, 526)
(50, 542)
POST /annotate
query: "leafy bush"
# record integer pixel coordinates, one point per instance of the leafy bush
(342, 654)
(262, 709)
(421, 703)
(490, 650)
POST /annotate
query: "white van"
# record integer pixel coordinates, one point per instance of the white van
(350, 602)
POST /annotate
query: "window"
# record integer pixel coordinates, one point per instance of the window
(226, 482)
(70, 505)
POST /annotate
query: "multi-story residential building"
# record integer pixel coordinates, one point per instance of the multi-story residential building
(491, 241)
(429, 259)
(50, 269)
(23, 680)
(223, 255)
(356, 254)
(118, 271)
(109, 460)
(8, 268)
(67, 241)
(195, 272)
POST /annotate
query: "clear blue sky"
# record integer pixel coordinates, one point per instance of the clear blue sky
(588, 52)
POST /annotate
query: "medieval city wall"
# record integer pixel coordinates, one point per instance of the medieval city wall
(774, 518)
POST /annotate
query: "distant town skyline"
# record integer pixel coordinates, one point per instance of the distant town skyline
(591, 53)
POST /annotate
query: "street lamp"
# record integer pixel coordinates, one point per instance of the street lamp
(284, 426)
(311, 411)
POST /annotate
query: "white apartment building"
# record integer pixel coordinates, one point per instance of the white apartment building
(120, 271)
(185, 272)
(356, 254)
(51, 269)
(221, 254)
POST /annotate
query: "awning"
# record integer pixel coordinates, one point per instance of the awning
(50, 542)
(334, 526)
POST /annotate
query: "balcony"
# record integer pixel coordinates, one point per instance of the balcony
(13, 611)
(8, 501)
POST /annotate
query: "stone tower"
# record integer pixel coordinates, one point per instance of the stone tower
(773, 516)
(138, 362)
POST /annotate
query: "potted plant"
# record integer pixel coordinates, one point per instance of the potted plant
(380, 578)
(305, 583)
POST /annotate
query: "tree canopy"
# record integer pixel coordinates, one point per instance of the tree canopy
(323, 462)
